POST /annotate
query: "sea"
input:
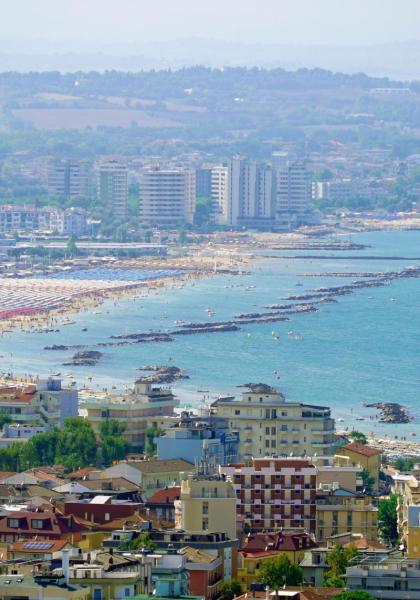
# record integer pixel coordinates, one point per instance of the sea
(365, 348)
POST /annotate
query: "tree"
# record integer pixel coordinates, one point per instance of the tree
(4, 419)
(151, 434)
(279, 571)
(388, 519)
(338, 560)
(229, 590)
(113, 444)
(354, 595)
(368, 481)
(141, 541)
(358, 436)
(71, 247)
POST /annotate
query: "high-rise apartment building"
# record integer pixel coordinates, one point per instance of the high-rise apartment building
(167, 196)
(268, 424)
(275, 492)
(219, 194)
(250, 197)
(113, 186)
(70, 178)
(293, 194)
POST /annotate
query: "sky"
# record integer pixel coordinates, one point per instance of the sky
(103, 22)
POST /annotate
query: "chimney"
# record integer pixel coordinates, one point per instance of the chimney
(65, 564)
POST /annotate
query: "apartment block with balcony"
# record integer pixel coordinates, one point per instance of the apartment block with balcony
(340, 511)
(392, 578)
(268, 424)
(274, 492)
(137, 408)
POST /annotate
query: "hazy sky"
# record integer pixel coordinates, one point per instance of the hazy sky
(284, 21)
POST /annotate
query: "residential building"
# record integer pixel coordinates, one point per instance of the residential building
(70, 178)
(407, 488)
(73, 221)
(193, 436)
(167, 196)
(219, 193)
(341, 511)
(250, 197)
(113, 186)
(366, 457)
(330, 475)
(34, 549)
(390, 578)
(138, 409)
(161, 506)
(274, 492)
(260, 547)
(45, 525)
(293, 194)
(28, 218)
(111, 576)
(100, 509)
(149, 474)
(268, 424)
(35, 587)
(412, 538)
(208, 503)
(44, 404)
(205, 572)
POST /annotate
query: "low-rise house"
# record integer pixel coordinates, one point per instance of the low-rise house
(32, 549)
(111, 576)
(341, 511)
(161, 505)
(47, 587)
(365, 457)
(25, 524)
(260, 547)
(149, 475)
(205, 572)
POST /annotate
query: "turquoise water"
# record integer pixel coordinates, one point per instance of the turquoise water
(363, 349)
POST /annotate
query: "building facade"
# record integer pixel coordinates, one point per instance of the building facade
(268, 424)
(113, 186)
(274, 492)
(293, 194)
(167, 196)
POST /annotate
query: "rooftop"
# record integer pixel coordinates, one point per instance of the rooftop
(159, 466)
(362, 449)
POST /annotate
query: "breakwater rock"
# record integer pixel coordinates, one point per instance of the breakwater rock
(163, 374)
(88, 358)
(56, 347)
(391, 412)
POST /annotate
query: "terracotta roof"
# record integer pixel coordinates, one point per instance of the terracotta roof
(262, 543)
(166, 496)
(4, 474)
(54, 524)
(34, 546)
(364, 544)
(193, 555)
(81, 473)
(17, 394)
(362, 449)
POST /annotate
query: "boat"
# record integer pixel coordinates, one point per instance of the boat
(360, 418)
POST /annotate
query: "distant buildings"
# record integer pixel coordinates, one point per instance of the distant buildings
(293, 194)
(167, 196)
(274, 493)
(70, 178)
(212, 183)
(251, 194)
(72, 221)
(268, 424)
(113, 186)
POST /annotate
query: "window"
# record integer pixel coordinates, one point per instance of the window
(237, 411)
(284, 428)
(267, 443)
(127, 592)
(267, 413)
(267, 431)
(273, 443)
(274, 413)
(273, 431)
(205, 524)
(13, 522)
(37, 524)
(205, 508)
(97, 594)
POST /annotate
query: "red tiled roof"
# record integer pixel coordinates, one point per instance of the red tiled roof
(277, 542)
(319, 593)
(56, 546)
(165, 496)
(81, 473)
(54, 524)
(4, 474)
(17, 394)
(362, 449)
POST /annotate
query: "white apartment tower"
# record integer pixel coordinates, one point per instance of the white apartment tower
(219, 193)
(113, 186)
(167, 196)
(293, 194)
(250, 194)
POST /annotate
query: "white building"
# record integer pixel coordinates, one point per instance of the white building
(113, 186)
(70, 178)
(167, 196)
(293, 194)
